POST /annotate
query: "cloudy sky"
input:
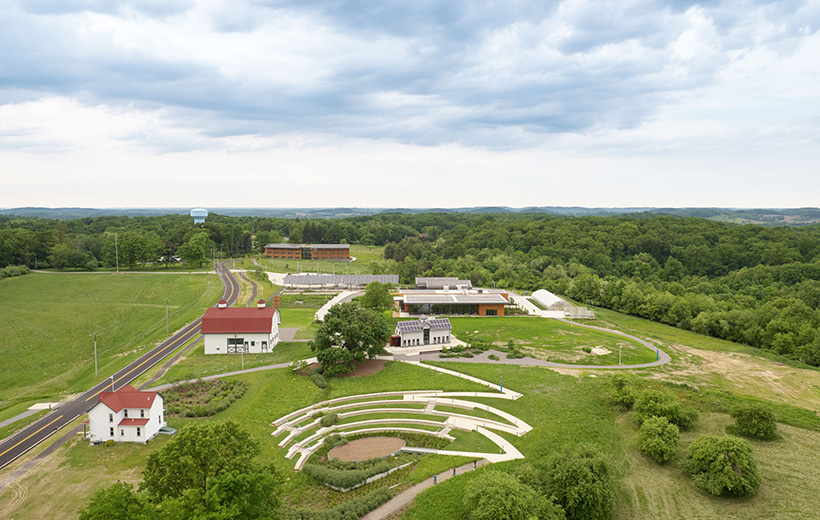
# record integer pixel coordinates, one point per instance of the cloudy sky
(409, 103)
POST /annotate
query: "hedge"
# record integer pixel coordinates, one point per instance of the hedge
(352, 510)
(345, 478)
(13, 270)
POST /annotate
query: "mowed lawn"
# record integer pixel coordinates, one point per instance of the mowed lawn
(552, 340)
(58, 487)
(565, 412)
(47, 320)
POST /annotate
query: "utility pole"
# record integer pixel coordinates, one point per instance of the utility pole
(166, 316)
(117, 253)
(96, 377)
(209, 290)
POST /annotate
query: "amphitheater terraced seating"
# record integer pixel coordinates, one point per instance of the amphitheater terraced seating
(363, 405)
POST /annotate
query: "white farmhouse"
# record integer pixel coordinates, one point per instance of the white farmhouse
(126, 415)
(240, 329)
(426, 331)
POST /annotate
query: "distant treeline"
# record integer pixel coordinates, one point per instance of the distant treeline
(746, 283)
(750, 284)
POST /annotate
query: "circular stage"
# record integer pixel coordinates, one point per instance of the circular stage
(367, 448)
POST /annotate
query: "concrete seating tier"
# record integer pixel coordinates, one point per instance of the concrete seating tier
(357, 405)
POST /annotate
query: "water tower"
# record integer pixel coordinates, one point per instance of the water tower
(199, 215)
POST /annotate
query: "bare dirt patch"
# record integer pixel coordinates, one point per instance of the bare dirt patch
(367, 448)
(600, 351)
(555, 355)
(744, 374)
(367, 367)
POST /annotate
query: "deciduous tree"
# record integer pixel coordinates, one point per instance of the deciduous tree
(348, 335)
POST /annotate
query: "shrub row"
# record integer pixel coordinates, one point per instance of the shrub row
(13, 270)
(345, 479)
(352, 510)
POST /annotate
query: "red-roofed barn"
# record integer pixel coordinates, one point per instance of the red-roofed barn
(126, 415)
(231, 330)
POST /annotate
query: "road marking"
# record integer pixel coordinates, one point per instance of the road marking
(146, 361)
(160, 351)
(231, 279)
(30, 436)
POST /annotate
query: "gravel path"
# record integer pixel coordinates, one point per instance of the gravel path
(406, 498)
(252, 301)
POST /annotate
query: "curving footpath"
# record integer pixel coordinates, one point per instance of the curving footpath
(252, 301)
(663, 357)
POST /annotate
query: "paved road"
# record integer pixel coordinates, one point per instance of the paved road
(29, 437)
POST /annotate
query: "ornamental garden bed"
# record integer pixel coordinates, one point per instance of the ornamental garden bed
(202, 398)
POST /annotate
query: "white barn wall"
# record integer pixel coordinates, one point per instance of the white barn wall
(218, 343)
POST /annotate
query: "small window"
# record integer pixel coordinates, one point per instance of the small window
(122, 432)
(112, 431)
(138, 431)
(142, 413)
(125, 412)
(111, 419)
(253, 343)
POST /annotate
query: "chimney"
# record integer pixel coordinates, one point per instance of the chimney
(222, 304)
(260, 304)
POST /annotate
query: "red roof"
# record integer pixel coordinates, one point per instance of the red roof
(127, 397)
(133, 422)
(238, 319)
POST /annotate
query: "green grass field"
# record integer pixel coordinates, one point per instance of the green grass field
(552, 340)
(47, 320)
(566, 411)
(196, 364)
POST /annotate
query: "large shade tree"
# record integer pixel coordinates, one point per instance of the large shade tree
(349, 335)
(207, 471)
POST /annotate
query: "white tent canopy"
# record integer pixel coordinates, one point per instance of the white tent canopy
(548, 300)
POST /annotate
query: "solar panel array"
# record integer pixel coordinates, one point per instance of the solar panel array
(418, 326)
(439, 282)
(417, 299)
(340, 279)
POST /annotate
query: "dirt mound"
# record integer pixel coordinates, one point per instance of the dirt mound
(367, 448)
(366, 368)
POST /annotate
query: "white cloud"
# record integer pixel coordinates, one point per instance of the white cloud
(344, 95)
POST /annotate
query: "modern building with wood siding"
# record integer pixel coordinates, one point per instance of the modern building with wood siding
(460, 304)
(337, 252)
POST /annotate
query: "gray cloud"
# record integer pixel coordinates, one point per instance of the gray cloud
(485, 74)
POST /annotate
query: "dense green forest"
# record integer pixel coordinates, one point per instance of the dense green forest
(746, 283)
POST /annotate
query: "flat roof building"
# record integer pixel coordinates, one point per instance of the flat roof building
(468, 304)
(338, 280)
(338, 252)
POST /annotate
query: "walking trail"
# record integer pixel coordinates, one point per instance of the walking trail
(406, 497)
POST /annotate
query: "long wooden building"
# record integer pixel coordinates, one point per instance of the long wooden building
(338, 252)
